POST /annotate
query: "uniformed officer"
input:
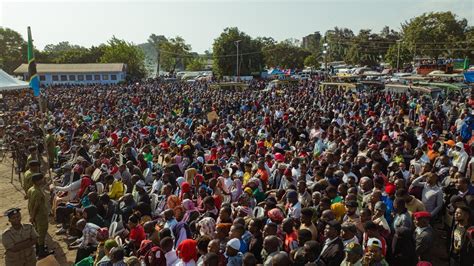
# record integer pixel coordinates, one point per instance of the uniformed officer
(38, 209)
(33, 168)
(19, 241)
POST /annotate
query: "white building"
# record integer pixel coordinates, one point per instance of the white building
(76, 74)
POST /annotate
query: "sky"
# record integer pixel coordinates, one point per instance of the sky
(199, 22)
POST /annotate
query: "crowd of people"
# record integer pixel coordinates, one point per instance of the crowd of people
(171, 173)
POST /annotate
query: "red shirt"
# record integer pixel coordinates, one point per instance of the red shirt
(137, 235)
(291, 241)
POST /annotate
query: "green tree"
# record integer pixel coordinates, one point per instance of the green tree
(12, 49)
(339, 41)
(312, 61)
(195, 64)
(224, 53)
(174, 52)
(391, 56)
(155, 42)
(366, 49)
(285, 55)
(120, 51)
(434, 34)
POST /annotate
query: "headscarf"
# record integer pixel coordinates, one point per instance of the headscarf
(189, 208)
(237, 190)
(187, 251)
(276, 215)
(207, 226)
(173, 201)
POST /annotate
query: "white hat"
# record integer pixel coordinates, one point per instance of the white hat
(459, 145)
(140, 184)
(200, 159)
(234, 243)
(374, 242)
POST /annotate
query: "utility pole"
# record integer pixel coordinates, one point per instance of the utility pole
(237, 64)
(398, 54)
(325, 52)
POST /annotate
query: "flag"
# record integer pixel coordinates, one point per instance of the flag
(34, 79)
(466, 63)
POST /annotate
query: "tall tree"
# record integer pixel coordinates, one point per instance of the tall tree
(173, 53)
(120, 51)
(285, 54)
(434, 34)
(12, 49)
(339, 41)
(195, 64)
(155, 41)
(225, 53)
(402, 56)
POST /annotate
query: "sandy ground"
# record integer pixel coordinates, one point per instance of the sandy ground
(12, 195)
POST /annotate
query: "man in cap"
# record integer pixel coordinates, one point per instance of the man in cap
(373, 255)
(424, 235)
(38, 209)
(234, 257)
(19, 240)
(354, 254)
(33, 168)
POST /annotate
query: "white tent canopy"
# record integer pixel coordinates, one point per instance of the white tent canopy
(8, 82)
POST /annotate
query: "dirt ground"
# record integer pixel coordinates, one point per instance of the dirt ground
(12, 195)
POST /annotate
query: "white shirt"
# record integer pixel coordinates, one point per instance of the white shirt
(295, 211)
(189, 263)
(171, 258)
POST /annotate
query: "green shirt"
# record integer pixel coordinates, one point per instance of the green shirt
(37, 201)
(27, 182)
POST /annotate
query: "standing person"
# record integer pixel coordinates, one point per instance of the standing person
(333, 249)
(354, 254)
(459, 253)
(294, 206)
(424, 235)
(234, 257)
(33, 168)
(19, 241)
(431, 195)
(402, 217)
(38, 209)
(50, 146)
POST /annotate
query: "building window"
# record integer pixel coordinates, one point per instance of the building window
(105, 77)
(80, 77)
(55, 78)
(88, 77)
(42, 78)
(72, 77)
(63, 77)
(113, 77)
(96, 77)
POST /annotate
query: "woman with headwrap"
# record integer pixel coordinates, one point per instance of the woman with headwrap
(236, 190)
(207, 226)
(191, 212)
(185, 191)
(187, 253)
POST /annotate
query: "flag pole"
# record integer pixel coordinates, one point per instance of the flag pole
(35, 85)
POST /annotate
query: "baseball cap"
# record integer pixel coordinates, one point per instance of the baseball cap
(374, 242)
(354, 248)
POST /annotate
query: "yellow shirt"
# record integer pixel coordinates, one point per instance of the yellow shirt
(116, 190)
(246, 178)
